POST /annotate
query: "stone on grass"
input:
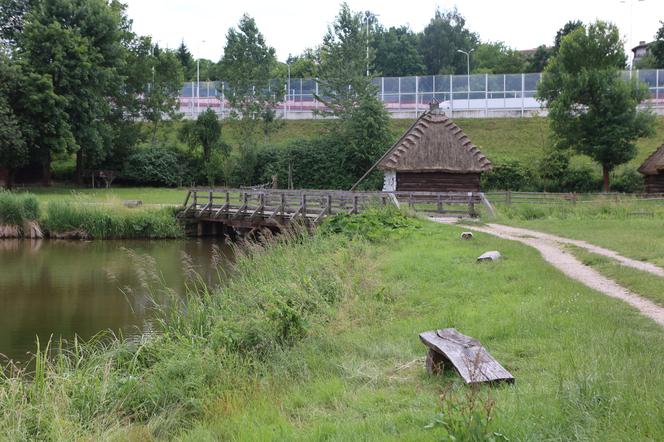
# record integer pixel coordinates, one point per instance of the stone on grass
(489, 256)
(467, 235)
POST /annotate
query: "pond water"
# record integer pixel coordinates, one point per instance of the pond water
(68, 288)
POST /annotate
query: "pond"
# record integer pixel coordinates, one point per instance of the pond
(68, 288)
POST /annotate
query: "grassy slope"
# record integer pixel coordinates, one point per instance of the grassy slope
(113, 196)
(584, 363)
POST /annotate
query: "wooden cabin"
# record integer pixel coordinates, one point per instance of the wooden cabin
(653, 171)
(434, 155)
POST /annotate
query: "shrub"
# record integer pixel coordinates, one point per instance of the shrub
(372, 224)
(154, 166)
(510, 175)
(15, 208)
(628, 180)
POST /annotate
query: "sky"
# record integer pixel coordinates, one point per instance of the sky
(290, 26)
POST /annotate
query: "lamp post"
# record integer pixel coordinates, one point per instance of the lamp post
(631, 27)
(198, 80)
(468, 71)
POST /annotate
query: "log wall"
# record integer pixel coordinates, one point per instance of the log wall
(437, 182)
(655, 183)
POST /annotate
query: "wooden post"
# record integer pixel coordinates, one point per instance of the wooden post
(471, 204)
(440, 203)
(186, 200)
(195, 199)
(508, 197)
(210, 202)
(304, 205)
(410, 200)
(329, 204)
(282, 207)
(384, 199)
(355, 203)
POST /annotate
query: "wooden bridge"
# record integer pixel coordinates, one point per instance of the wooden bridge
(245, 209)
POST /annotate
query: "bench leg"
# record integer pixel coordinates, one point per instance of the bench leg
(435, 362)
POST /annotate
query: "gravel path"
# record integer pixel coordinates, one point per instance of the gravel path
(550, 246)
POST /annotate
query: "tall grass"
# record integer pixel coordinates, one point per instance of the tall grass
(595, 210)
(108, 222)
(205, 345)
(17, 208)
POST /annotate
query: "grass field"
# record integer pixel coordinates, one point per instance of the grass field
(114, 196)
(633, 229)
(574, 354)
(321, 344)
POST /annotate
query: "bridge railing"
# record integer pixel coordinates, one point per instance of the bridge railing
(278, 206)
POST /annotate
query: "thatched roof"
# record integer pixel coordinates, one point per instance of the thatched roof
(654, 164)
(434, 143)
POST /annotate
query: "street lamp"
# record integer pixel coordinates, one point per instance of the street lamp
(198, 79)
(631, 27)
(468, 75)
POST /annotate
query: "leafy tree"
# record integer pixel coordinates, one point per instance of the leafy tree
(591, 109)
(161, 100)
(343, 81)
(247, 67)
(13, 149)
(444, 35)
(397, 52)
(567, 29)
(79, 45)
(205, 133)
(537, 62)
(12, 16)
(657, 48)
(186, 61)
(304, 65)
(497, 58)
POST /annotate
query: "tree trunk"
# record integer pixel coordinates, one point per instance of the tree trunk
(11, 174)
(79, 167)
(605, 171)
(46, 170)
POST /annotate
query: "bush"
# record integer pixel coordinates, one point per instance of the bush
(154, 166)
(510, 175)
(373, 224)
(628, 181)
(15, 208)
(580, 179)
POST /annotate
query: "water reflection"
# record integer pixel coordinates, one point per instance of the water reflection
(63, 288)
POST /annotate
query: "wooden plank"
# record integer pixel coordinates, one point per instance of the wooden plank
(473, 363)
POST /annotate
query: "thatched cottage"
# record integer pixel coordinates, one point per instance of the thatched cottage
(653, 171)
(434, 155)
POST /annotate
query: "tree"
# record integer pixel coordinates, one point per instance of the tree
(537, 62)
(205, 133)
(304, 65)
(497, 58)
(443, 36)
(592, 110)
(397, 52)
(162, 98)
(12, 16)
(186, 61)
(247, 67)
(567, 29)
(342, 72)
(79, 44)
(13, 150)
(657, 48)
(363, 122)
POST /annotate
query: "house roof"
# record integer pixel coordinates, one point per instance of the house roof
(434, 143)
(654, 164)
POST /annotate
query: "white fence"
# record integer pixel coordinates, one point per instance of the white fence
(485, 95)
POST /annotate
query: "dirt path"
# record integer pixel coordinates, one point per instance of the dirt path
(550, 246)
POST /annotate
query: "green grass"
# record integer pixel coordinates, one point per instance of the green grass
(643, 283)
(108, 222)
(113, 196)
(17, 208)
(315, 338)
(633, 229)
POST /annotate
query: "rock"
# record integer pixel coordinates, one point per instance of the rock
(490, 256)
(467, 235)
(132, 203)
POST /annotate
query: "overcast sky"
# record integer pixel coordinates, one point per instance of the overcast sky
(290, 26)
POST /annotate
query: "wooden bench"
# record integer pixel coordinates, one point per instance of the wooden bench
(473, 363)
